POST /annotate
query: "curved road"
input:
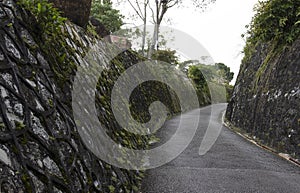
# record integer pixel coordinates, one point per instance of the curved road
(233, 164)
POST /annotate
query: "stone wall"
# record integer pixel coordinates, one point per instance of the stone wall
(40, 148)
(266, 97)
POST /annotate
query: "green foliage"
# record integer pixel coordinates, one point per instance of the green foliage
(275, 20)
(49, 28)
(200, 84)
(218, 75)
(183, 66)
(195, 73)
(224, 71)
(168, 56)
(275, 25)
(47, 17)
(91, 31)
(107, 15)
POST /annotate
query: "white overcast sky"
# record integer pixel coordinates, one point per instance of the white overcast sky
(218, 29)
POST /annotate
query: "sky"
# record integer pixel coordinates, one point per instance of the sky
(218, 28)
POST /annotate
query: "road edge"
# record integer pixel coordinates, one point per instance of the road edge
(236, 130)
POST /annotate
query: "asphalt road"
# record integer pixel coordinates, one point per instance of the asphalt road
(233, 164)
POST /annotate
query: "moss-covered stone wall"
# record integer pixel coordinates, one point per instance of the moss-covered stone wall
(40, 148)
(266, 97)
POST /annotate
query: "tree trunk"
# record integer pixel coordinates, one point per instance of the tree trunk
(78, 11)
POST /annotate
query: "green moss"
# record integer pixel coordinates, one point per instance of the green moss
(24, 140)
(135, 188)
(15, 149)
(50, 101)
(10, 25)
(19, 125)
(26, 181)
(276, 49)
(114, 179)
(111, 189)
(2, 125)
(91, 31)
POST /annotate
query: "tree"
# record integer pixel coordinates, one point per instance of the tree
(224, 71)
(184, 66)
(168, 56)
(78, 11)
(195, 73)
(107, 15)
(161, 8)
(140, 8)
(158, 9)
(218, 75)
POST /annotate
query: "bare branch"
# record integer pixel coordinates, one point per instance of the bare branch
(138, 5)
(137, 12)
(172, 5)
(153, 15)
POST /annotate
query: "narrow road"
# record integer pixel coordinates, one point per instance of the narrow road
(233, 164)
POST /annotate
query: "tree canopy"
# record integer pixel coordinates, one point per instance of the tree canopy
(219, 73)
(168, 56)
(103, 11)
(154, 12)
(225, 72)
(275, 20)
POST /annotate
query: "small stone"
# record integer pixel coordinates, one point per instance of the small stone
(28, 38)
(39, 186)
(1, 56)
(37, 128)
(3, 92)
(40, 163)
(51, 166)
(70, 31)
(42, 61)
(4, 157)
(12, 48)
(31, 83)
(2, 13)
(18, 109)
(32, 59)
